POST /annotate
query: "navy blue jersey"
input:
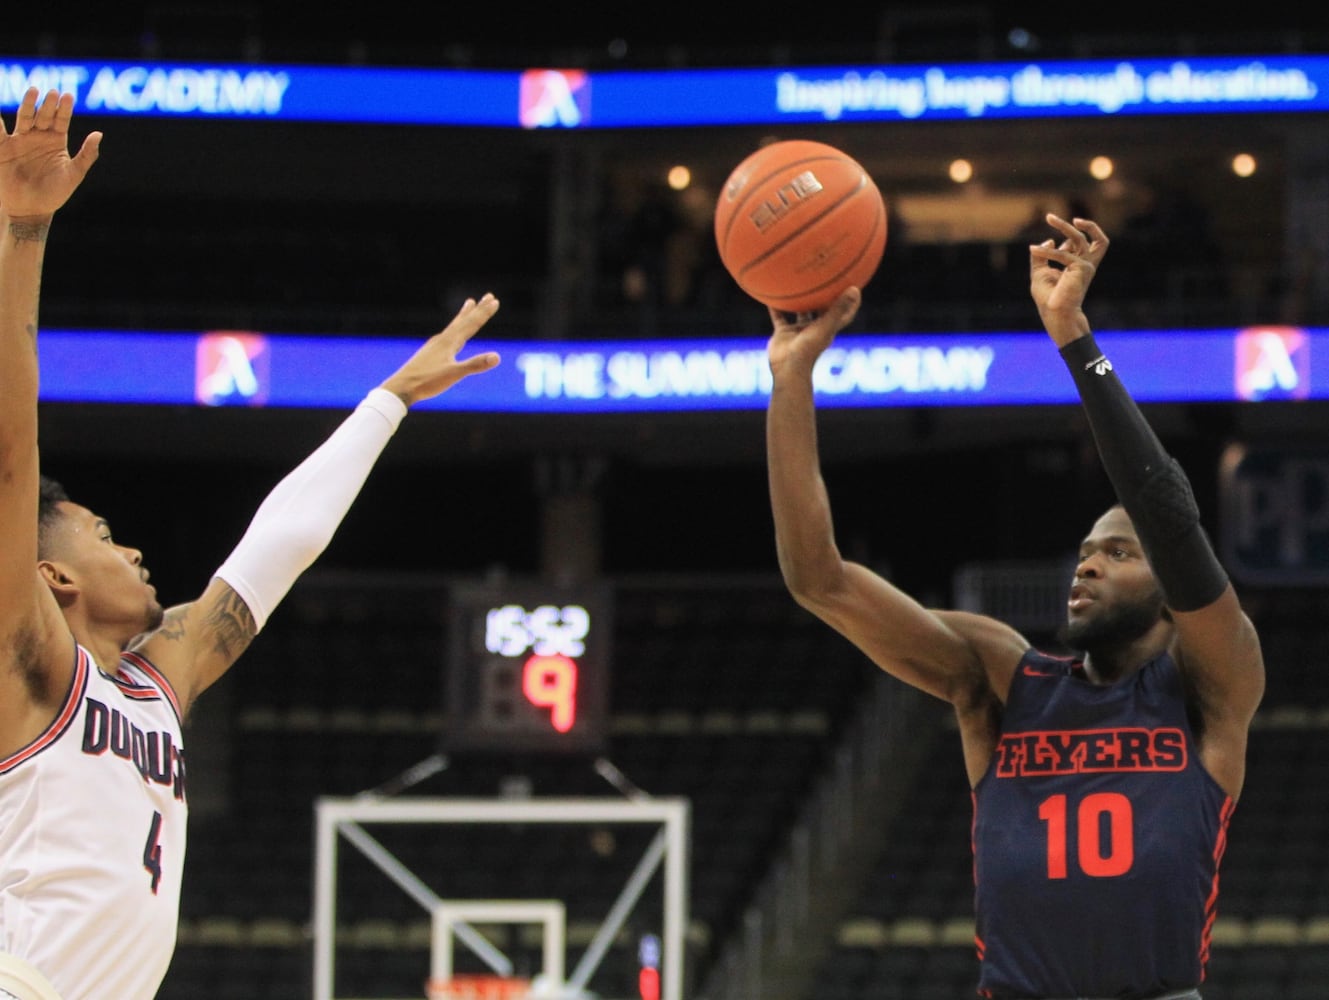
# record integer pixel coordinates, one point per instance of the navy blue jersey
(1097, 838)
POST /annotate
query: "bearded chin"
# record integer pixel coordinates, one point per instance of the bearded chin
(1116, 626)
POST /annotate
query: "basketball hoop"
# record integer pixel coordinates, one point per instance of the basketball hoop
(478, 988)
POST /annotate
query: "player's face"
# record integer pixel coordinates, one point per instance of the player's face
(111, 578)
(1114, 597)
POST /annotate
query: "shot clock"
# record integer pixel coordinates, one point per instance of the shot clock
(527, 666)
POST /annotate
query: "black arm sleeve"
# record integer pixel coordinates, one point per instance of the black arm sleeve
(1149, 483)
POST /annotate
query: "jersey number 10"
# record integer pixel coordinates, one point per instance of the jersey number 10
(1089, 824)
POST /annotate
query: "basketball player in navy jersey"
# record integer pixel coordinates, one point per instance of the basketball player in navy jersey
(1102, 784)
(96, 677)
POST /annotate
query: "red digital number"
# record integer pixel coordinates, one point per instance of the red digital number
(551, 682)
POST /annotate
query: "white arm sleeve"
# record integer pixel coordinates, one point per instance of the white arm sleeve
(299, 517)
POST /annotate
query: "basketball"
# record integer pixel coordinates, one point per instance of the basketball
(797, 223)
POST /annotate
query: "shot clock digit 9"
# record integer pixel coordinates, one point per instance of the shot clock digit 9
(527, 666)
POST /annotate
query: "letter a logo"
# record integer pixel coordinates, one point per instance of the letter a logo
(231, 369)
(1273, 362)
(554, 98)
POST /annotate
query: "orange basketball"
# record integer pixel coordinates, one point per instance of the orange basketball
(797, 223)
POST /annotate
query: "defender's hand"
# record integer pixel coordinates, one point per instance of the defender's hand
(434, 368)
(37, 174)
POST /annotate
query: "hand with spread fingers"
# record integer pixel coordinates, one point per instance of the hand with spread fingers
(37, 174)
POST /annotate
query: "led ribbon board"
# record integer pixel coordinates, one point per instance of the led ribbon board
(233, 368)
(580, 99)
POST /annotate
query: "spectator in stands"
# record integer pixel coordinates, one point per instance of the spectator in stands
(96, 678)
(1103, 783)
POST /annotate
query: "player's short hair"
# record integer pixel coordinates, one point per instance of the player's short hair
(50, 496)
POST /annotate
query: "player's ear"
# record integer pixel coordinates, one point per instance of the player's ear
(56, 576)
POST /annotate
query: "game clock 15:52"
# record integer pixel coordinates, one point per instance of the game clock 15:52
(527, 666)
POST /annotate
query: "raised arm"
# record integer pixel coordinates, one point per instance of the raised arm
(37, 176)
(198, 642)
(1215, 645)
(964, 659)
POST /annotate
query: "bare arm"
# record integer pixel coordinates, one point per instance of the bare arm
(963, 659)
(37, 176)
(22, 247)
(1219, 652)
(197, 643)
(1215, 644)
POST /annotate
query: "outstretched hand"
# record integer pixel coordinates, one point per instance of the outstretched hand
(800, 340)
(434, 368)
(1059, 291)
(37, 174)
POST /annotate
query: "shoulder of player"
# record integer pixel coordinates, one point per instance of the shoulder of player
(997, 647)
(169, 647)
(198, 641)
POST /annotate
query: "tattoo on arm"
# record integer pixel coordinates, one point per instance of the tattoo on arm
(172, 627)
(29, 232)
(232, 626)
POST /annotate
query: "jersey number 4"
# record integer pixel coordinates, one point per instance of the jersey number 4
(1105, 834)
(152, 851)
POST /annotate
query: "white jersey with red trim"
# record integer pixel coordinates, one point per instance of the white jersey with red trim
(92, 836)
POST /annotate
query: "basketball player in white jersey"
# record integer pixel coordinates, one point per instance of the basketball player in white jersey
(95, 676)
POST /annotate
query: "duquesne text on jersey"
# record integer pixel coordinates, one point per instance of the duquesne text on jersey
(154, 754)
(1080, 751)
